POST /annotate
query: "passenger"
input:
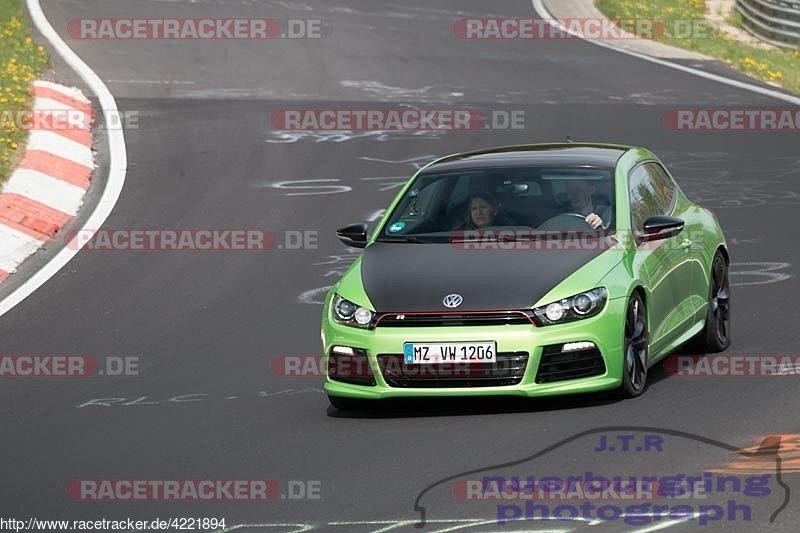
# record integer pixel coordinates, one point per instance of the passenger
(483, 211)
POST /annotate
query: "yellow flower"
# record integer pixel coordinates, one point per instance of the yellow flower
(14, 146)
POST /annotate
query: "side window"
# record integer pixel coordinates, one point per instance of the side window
(645, 199)
(420, 198)
(663, 185)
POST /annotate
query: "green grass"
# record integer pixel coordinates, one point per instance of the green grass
(21, 61)
(774, 66)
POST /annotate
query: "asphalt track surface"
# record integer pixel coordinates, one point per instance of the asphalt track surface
(208, 325)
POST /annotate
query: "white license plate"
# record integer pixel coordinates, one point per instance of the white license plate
(420, 353)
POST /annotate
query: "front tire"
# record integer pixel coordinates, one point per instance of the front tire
(635, 348)
(716, 334)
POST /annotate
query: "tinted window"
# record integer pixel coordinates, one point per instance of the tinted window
(540, 198)
(662, 183)
(649, 194)
(421, 198)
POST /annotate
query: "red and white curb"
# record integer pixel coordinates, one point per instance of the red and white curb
(46, 190)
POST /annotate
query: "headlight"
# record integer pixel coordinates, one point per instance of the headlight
(576, 307)
(348, 313)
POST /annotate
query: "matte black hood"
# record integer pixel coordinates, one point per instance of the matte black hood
(406, 277)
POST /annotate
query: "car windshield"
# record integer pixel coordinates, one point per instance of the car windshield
(440, 205)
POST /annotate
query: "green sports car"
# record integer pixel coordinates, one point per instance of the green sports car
(530, 270)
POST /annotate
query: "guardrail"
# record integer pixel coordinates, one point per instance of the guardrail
(774, 21)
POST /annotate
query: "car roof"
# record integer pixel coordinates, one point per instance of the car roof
(554, 154)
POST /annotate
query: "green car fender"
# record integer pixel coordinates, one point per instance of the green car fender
(351, 288)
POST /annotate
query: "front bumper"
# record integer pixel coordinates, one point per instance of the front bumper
(605, 330)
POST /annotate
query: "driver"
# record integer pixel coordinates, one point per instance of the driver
(579, 193)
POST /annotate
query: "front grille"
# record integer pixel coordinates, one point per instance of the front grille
(557, 365)
(421, 320)
(507, 370)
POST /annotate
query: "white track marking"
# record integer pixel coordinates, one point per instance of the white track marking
(539, 7)
(45, 189)
(493, 522)
(375, 215)
(314, 296)
(299, 528)
(767, 272)
(458, 524)
(665, 525)
(116, 149)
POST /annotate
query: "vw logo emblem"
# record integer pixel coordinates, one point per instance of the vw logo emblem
(452, 300)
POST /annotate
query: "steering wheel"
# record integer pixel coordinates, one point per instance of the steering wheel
(578, 215)
(570, 220)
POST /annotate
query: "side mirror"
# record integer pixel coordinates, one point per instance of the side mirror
(354, 235)
(660, 227)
